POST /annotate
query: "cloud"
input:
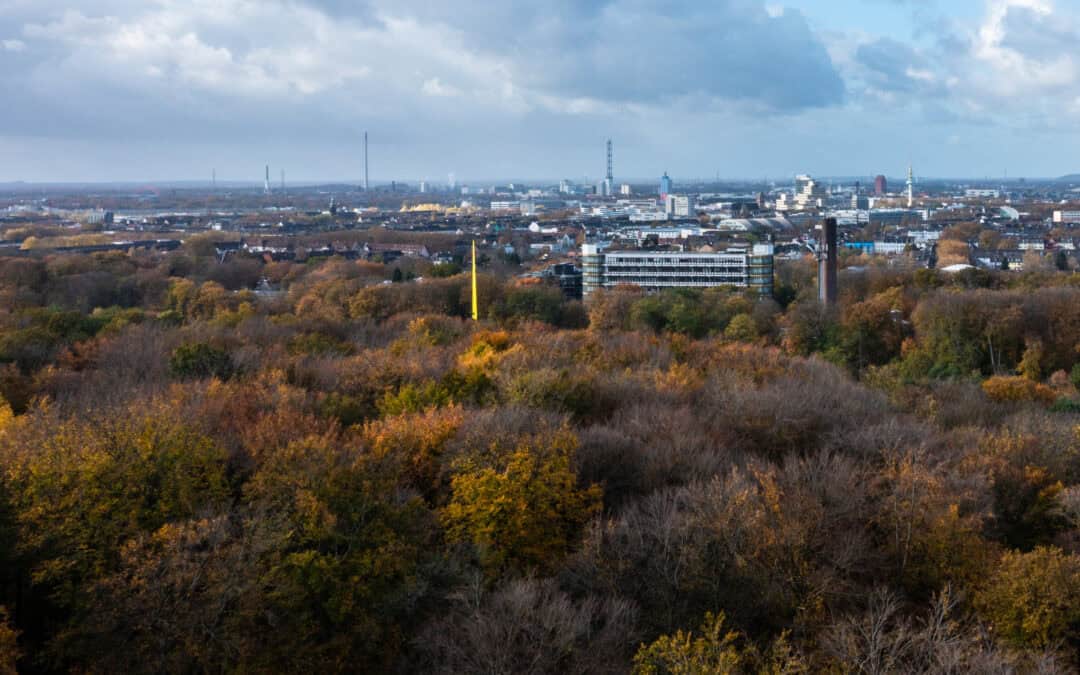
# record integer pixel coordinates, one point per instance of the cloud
(1015, 66)
(632, 51)
(894, 67)
(434, 87)
(519, 54)
(1030, 46)
(483, 84)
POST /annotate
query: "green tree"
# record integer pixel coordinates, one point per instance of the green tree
(443, 270)
(537, 303)
(200, 360)
(741, 329)
(1074, 376)
(1061, 261)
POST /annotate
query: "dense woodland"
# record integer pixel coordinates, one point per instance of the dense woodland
(351, 476)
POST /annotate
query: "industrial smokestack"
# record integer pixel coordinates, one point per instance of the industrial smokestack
(266, 185)
(827, 263)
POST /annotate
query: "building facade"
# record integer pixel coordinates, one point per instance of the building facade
(657, 270)
(679, 206)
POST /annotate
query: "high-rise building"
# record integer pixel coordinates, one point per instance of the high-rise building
(809, 194)
(625, 190)
(881, 186)
(665, 185)
(679, 206)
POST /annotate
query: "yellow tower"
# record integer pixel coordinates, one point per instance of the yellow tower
(475, 298)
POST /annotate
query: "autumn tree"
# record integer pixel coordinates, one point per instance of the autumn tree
(525, 512)
(715, 649)
(1033, 599)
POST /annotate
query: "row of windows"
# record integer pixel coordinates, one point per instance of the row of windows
(676, 270)
(654, 281)
(730, 260)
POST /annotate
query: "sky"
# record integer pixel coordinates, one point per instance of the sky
(155, 90)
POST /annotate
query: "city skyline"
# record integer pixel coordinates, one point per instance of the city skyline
(128, 91)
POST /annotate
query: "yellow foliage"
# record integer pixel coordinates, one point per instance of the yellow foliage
(713, 651)
(525, 515)
(83, 488)
(1005, 389)
(486, 349)
(679, 378)
(1033, 599)
(6, 415)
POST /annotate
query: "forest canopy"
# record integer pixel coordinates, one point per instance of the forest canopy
(348, 474)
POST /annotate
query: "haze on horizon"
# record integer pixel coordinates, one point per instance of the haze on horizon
(128, 90)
